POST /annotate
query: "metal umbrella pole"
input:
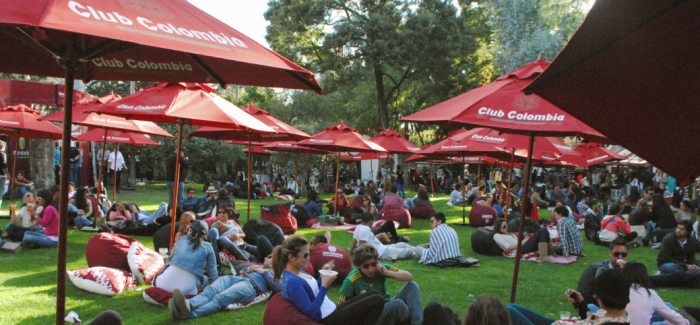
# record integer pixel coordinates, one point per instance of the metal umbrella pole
(250, 168)
(14, 164)
(432, 185)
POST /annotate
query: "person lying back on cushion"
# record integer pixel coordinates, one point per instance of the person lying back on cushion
(539, 241)
(400, 250)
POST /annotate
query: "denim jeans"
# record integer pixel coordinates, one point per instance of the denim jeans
(458, 202)
(19, 192)
(405, 306)
(650, 229)
(520, 315)
(224, 291)
(180, 193)
(667, 268)
(74, 173)
(161, 211)
(37, 239)
(263, 248)
(401, 193)
(82, 221)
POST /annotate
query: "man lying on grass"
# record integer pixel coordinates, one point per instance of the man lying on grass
(398, 250)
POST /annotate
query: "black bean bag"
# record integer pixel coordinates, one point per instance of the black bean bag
(484, 244)
(639, 216)
(585, 282)
(530, 225)
(256, 227)
(161, 239)
(300, 213)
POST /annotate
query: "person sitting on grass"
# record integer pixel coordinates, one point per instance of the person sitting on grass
(185, 268)
(319, 240)
(539, 198)
(26, 214)
(677, 253)
(226, 290)
(393, 198)
(22, 185)
(400, 249)
(309, 295)
(611, 290)
(369, 207)
(646, 307)
(191, 202)
(421, 199)
(539, 241)
(343, 203)
(48, 218)
(687, 212)
(84, 206)
(484, 310)
(444, 242)
(456, 197)
(186, 220)
(314, 208)
(618, 257)
(370, 275)
(612, 225)
(662, 218)
(571, 240)
(208, 202)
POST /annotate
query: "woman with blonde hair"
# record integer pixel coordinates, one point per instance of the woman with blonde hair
(186, 219)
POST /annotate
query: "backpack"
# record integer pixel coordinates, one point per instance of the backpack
(591, 226)
(281, 215)
(300, 213)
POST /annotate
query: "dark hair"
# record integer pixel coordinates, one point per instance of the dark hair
(312, 196)
(658, 202)
(439, 216)
(367, 217)
(319, 239)
(613, 288)
(363, 253)
(638, 274)
(22, 173)
(189, 189)
(223, 192)
(280, 256)
(580, 196)
(497, 225)
(614, 209)
(626, 209)
(54, 189)
(618, 242)
(688, 204)
(649, 189)
(81, 198)
(46, 196)
(197, 238)
(458, 186)
(486, 310)
(227, 208)
(423, 194)
(571, 195)
(561, 210)
(688, 226)
(394, 189)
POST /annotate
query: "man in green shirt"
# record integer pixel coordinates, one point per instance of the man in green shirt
(370, 275)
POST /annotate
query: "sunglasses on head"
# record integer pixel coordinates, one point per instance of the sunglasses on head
(368, 265)
(619, 254)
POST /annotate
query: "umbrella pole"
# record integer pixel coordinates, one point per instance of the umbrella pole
(478, 176)
(337, 179)
(99, 177)
(14, 164)
(70, 64)
(114, 184)
(518, 252)
(432, 185)
(250, 156)
(173, 209)
(512, 162)
(464, 190)
(296, 179)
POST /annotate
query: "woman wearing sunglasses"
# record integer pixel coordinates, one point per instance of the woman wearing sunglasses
(309, 294)
(538, 242)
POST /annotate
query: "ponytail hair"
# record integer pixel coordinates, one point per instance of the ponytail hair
(280, 256)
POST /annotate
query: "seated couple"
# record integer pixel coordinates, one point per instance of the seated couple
(538, 242)
(228, 234)
(377, 238)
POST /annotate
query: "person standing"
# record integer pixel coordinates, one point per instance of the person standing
(56, 163)
(116, 164)
(102, 159)
(75, 165)
(170, 176)
(399, 181)
(3, 169)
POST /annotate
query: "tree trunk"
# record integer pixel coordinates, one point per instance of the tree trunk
(41, 165)
(382, 105)
(132, 168)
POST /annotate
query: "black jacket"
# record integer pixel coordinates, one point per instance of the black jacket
(170, 168)
(672, 252)
(663, 217)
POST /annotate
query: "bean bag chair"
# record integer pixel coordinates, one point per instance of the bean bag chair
(300, 213)
(326, 253)
(257, 227)
(387, 208)
(482, 216)
(145, 264)
(161, 239)
(283, 312)
(281, 215)
(530, 225)
(422, 212)
(639, 216)
(484, 244)
(284, 197)
(158, 296)
(585, 282)
(357, 204)
(102, 280)
(402, 216)
(109, 250)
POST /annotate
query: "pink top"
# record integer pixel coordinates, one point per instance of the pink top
(393, 199)
(49, 220)
(114, 215)
(614, 223)
(642, 306)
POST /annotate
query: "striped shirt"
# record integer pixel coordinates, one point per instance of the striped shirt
(444, 244)
(571, 240)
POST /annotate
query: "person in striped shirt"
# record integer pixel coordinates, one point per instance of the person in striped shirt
(444, 243)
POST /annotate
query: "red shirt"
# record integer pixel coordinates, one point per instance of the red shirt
(342, 204)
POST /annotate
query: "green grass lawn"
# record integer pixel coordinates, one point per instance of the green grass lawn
(28, 289)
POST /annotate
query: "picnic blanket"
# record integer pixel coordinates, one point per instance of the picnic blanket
(349, 227)
(532, 257)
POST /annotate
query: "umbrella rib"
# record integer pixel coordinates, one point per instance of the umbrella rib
(51, 50)
(302, 80)
(207, 69)
(102, 47)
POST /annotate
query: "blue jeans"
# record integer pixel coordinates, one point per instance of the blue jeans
(19, 192)
(399, 186)
(409, 204)
(458, 202)
(82, 221)
(224, 291)
(36, 239)
(405, 306)
(161, 211)
(180, 193)
(667, 268)
(263, 248)
(74, 172)
(650, 229)
(520, 315)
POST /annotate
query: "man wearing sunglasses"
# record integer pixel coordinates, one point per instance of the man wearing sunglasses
(618, 256)
(370, 275)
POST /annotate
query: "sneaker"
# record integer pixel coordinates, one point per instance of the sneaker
(645, 242)
(181, 304)
(173, 309)
(405, 239)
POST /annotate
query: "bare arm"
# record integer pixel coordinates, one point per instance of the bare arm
(399, 275)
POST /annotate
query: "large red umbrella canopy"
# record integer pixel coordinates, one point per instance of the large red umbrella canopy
(632, 65)
(502, 105)
(365, 156)
(341, 137)
(292, 147)
(27, 122)
(104, 121)
(139, 40)
(458, 143)
(259, 151)
(394, 142)
(518, 141)
(114, 136)
(591, 154)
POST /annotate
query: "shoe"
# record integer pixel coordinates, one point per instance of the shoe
(645, 242)
(237, 253)
(181, 304)
(173, 309)
(542, 252)
(405, 239)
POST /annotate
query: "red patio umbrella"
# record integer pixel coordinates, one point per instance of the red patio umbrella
(341, 137)
(183, 103)
(114, 136)
(394, 142)
(632, 67)
(365, 156)
(591, 154)
(292, 147)
(130, 40)
(259, 151)
(23, 121)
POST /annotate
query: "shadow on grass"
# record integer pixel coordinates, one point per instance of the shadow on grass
(47, 278)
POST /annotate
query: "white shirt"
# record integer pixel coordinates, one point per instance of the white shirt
(292, 185)
(26, 218)
(364, 233)
(327, 307)
(120, 161)
(505, 241)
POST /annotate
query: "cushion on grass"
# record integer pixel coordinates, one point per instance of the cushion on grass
(284, 198)
(283, 312)
(145, 264)
(402, 216)
(524, 257)
(102, 280)
(108, 250)
(484, 244)
(326, 253)
(158, 296)
(262, 297)
(281, 215)
(482, 216)
(299, 212)
(422, 212)
(390, 207)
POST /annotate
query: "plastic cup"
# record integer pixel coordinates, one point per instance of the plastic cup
(394, 258)
(163, 251)
(13, 208)
(564, 315)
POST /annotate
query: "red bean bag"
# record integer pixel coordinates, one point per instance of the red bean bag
(144, 263)
(108, 250)
(309, 268)
(402, 216)
(283, 312)
(390, 207)
(281, 215)
(102, 280)
(158, 296)
(357, 204)
(482, 216)
(422, 212)
(326, 253)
